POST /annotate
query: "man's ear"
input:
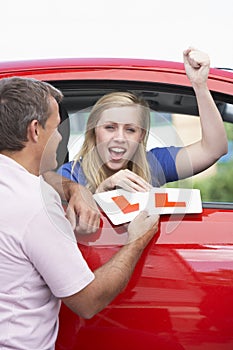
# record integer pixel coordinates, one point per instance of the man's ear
(33, 131)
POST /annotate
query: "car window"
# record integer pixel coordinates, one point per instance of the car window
(172, 123)
(215, 183)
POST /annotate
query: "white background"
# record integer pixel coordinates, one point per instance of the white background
(156, 29)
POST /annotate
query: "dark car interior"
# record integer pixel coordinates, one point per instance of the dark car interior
(161, 97)
(79, 95)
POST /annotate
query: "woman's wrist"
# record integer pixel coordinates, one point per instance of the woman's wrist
(106, 185)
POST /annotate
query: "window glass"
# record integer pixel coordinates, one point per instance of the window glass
(215, 183)
(167, 129)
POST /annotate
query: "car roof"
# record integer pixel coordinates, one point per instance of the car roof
(113, 69)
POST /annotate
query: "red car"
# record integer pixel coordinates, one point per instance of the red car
(181, 293)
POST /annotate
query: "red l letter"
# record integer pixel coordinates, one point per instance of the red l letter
(161, 200)
(124, 205)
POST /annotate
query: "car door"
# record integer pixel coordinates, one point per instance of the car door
(181, 293)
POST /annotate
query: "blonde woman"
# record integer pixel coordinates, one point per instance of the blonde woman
(114, 150)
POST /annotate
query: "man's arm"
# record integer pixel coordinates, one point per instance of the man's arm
(112, 277)
(82, 210)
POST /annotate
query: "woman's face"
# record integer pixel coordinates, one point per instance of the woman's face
(118, 134)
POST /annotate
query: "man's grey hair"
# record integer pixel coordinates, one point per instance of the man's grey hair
(23, 100)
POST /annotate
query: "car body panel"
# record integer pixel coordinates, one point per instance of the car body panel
(180, 296)
(181, 293)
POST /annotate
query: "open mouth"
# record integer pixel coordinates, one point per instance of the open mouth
(117, 153)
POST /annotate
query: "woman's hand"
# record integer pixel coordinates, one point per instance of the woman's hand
(125, 179)
(197, 65)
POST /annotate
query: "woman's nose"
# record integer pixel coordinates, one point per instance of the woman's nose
(119, 134)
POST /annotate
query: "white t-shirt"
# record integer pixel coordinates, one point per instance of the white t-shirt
(39, 260)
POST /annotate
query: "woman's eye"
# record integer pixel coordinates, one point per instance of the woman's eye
(131, 130)
(109, 127)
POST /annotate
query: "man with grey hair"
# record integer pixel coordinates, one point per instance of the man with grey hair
(40, 263)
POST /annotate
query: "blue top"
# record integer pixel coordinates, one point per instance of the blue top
(161, 162)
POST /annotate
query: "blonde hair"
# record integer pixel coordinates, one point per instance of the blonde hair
(90, 160)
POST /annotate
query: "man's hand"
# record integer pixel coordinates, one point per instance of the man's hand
(82, 210)
(143, 227)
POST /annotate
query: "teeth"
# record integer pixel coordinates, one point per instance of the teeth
(117, 150)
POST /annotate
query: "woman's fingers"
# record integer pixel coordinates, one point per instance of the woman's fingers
(131, 181)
